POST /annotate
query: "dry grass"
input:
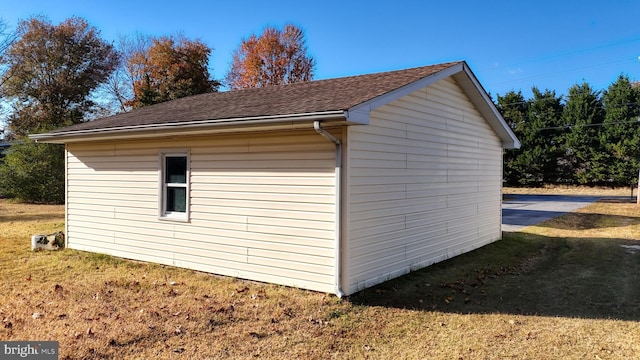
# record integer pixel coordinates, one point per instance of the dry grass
(565, 289)
(573, 190)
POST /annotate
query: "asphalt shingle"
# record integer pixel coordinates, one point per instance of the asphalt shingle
(300, 98)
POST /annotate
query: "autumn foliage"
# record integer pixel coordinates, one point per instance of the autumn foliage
(51, 70)
(170, 69)
(275, 57)
(50, 73)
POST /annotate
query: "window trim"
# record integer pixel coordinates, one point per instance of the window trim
(163, 214)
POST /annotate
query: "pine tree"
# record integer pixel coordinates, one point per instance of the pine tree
(513, 108)
(583, 113)
(620, 134)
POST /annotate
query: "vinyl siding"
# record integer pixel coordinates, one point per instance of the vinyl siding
(262, 206)
(423, 184)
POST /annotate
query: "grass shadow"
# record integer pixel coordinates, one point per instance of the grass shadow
(564, 220)
(524, 274)
(30, 217)
(589, 221)
(593, 220)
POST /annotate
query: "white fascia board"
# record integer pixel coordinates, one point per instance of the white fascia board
(284, 122)
(487, 108)
(360, 113)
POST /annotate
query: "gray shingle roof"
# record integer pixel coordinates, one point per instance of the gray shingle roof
(300, 98)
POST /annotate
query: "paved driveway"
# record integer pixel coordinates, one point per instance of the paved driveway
(519, 211)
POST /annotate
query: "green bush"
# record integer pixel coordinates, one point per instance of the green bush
(33, 172)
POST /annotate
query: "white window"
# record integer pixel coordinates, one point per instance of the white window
(174, 180)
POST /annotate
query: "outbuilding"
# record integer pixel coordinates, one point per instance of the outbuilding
(330, 185)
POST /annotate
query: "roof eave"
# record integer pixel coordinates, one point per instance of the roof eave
(360, 113)
(479, 97)
(246, 124)
(463, 75)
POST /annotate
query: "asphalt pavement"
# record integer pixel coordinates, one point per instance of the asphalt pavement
(520, 211)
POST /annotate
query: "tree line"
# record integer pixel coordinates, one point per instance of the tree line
(587, 137)
(56, 75)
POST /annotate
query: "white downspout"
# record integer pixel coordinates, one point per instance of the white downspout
(338, 220)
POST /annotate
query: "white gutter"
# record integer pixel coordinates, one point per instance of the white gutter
(338, 218)
(60, 137)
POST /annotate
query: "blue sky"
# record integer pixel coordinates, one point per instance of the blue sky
(508, 44)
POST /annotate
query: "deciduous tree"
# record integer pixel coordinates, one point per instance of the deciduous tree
(118, 89)
(51, 72)
(170, 68)
(275, 57)
(7, 38)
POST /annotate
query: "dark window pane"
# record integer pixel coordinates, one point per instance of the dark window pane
(176, 199)
(176, 169)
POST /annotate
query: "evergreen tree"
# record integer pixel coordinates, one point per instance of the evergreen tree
(582, 115)
(620, 135)
(541, 149)
(513, 108)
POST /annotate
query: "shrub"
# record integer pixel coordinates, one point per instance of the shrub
(33, 172)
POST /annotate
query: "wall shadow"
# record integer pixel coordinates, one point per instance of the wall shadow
(524, 274)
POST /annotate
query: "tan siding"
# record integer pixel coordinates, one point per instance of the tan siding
(423, 184)
(262, 206)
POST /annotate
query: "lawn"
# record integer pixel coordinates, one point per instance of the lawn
(564, 289)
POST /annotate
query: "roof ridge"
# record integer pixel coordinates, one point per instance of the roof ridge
(310, 97)
(378, 73)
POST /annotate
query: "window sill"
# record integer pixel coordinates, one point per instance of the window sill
(174, 217)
